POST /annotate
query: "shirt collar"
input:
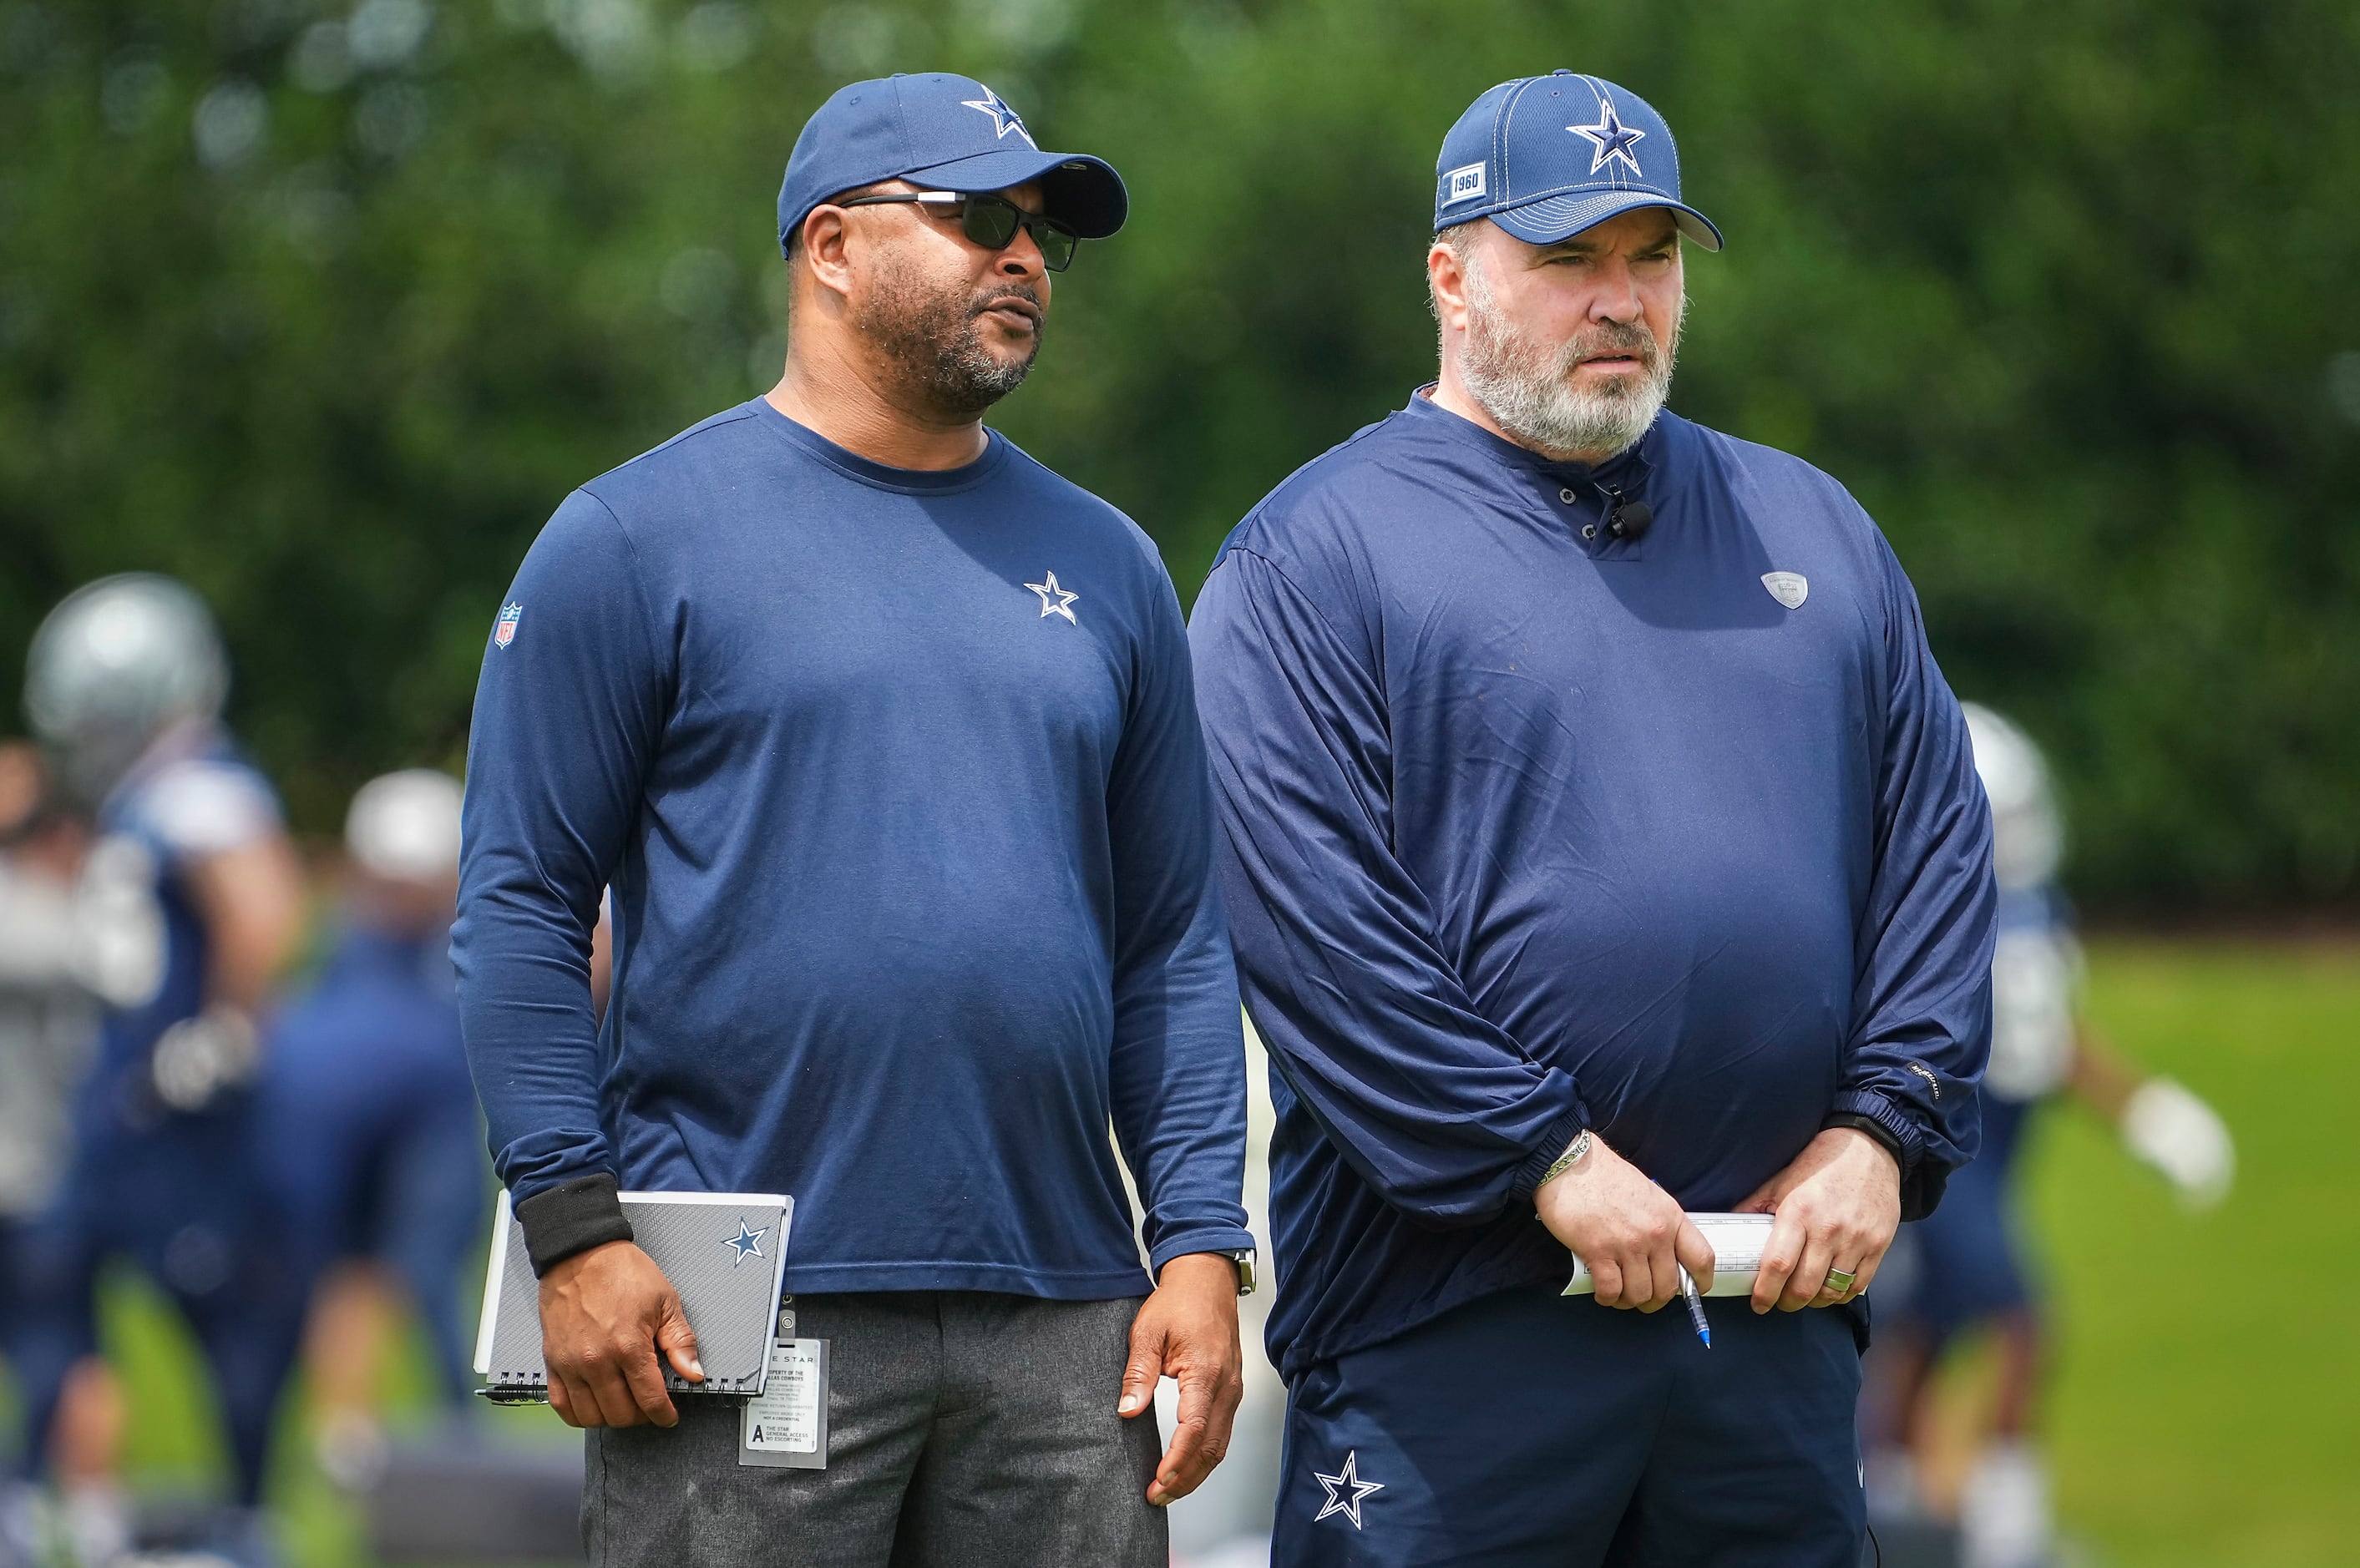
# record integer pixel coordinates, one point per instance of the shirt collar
(1627, 470)
(879, 475)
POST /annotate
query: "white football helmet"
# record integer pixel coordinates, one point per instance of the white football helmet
(118, 663)
(404, 826)
(2027, 831)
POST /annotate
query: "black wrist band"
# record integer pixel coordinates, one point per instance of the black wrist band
(1874, 1130)
(571, 1217)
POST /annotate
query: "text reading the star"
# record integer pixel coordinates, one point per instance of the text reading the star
(748, 1242)
(1054, 601)
(1003, 118)
(1345, 1490)
(1613, 138)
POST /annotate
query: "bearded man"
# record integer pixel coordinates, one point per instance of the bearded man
(1601, 844)
(882, 735)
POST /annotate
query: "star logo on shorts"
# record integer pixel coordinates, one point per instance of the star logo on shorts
(1054, 601)
(748, 1241)
(1345, 1490)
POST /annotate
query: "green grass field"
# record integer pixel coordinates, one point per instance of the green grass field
(2206, 1377)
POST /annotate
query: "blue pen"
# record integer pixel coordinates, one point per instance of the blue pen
(1696, 1303)
(1696, 1307)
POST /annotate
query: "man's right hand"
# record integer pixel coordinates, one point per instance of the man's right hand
(604, 1315)
(1628, 1230)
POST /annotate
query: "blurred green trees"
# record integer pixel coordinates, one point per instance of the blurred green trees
(323, 308)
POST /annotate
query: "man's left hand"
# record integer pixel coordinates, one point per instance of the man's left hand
(1838, 1204)
(1189, 1330)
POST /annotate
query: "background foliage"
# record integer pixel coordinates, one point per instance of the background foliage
(323, 308)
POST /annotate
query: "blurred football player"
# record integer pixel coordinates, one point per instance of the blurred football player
(370, 1116)
(48, 1026)
(124, 685)
(1963, 1267)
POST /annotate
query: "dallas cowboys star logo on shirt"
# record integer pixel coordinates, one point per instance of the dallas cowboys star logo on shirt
(1613, 139)
(1345, 1490)
(748, 1241)
(1054, 601)
(1003, 118)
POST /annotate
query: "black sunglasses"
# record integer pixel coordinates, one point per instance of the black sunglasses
(991, 222)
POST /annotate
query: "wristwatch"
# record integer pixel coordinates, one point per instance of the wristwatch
(1245, 1258)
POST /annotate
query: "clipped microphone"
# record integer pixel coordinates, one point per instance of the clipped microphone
(1626, 519)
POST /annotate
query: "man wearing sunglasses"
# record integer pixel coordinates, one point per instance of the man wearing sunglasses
(884, 738)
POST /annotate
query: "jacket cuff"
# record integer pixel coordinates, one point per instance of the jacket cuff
(1553, 1142)
(1922, 1179)
(1199, 1239)
(1874, 1130)
(573, 1216)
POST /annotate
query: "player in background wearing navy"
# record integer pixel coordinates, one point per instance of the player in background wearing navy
(124, 685)
(48, 1028)
(1965, 1268)
(883, 736)
(1602, 841)
(370, 1118)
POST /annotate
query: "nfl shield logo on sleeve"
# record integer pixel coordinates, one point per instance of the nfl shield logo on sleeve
(504, 631)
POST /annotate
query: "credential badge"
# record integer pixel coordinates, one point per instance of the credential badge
(1789, 588)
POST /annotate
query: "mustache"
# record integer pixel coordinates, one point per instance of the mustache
(1612, 337)
(1004, 294)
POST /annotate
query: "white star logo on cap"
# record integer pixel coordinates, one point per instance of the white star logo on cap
(1613, 139)
(1003, 118)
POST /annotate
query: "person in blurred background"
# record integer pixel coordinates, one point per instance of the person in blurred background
(124, 685)
(1601, 841)
(1965, 1266)
(370, 1118)
(48, 1026)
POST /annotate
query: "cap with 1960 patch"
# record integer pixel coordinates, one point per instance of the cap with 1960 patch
(1547, 157)
(940, 130)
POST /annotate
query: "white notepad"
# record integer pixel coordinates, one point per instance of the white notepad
(1736, 1240)
(726, 1253)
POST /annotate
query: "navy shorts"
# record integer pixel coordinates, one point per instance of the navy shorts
(183, 1197)
(1965, 1263)
(1527, 1428)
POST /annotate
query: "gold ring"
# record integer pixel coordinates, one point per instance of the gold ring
(1840, 1281)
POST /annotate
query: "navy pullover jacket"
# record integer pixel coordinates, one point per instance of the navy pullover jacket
(1530, 829)
(897, 779)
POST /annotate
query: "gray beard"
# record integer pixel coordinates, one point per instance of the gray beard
(935, 341)
(1527, 387)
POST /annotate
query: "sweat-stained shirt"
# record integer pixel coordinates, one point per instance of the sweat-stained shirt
(897, 779)
(1530, 829)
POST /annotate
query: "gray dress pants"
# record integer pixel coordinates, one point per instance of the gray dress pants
(964, 1428)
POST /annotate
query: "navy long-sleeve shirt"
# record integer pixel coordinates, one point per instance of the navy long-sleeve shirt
(1530, 829)
(897, 782)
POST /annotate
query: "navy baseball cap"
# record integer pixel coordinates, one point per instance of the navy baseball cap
(1547, 157)
(944, 131)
